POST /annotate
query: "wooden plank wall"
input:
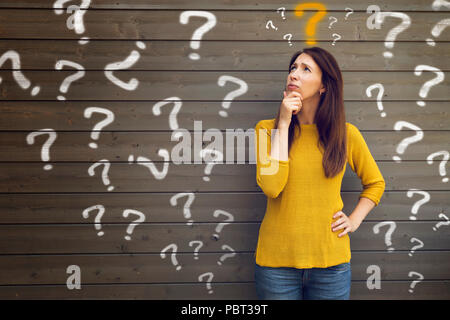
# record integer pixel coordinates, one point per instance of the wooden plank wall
(136, 54)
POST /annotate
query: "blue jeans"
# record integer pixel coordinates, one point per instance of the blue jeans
(332, 283)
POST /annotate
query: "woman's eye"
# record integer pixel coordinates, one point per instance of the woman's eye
(306, 68)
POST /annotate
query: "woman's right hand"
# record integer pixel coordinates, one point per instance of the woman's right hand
(291, 104)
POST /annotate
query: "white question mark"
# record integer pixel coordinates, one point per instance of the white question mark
(20, 78)
(413, 249)
(45, 151)
(336, 37)
(64, 87)
(99, 126)
(427, 85)
(226, 255)
(332, 22)
(199, 243)
(106, 167)
(282, 12)
(141, 218)
(348, 13)
(387, 239)
(288, 37)
(187, 204)
(443, 163)
(446, 223)
(173, 124)
(399, 125)
(371, 21)
(149, 164)
(101, 211)
(380, 88)
(391, 36)
(417, 204)
(230, 218)
(243, 88)
(199, 32)
(210, 276)
(437, 30)
(209, 165)
(129, 61)
(437, 4)
(271, 25)
(173, 257)
(413, 284)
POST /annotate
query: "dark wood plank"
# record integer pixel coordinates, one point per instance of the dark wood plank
(125, 177)
(245, 207)
(152, 238)
(222, 55)
(202, 85)
(151, 268)
(138, 115)
(385, 5)
(232, 25)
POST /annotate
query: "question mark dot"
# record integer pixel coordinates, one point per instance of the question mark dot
(215, 237)
(383, 114)
(178, 268)
(35, 90)
(93, 145)
(61, 98)
(412, 218)
(410, 291)
(410, 254)
(444, 179)
(110, 188)
(223, 113)
(219, 263)
(397, 159)
(390, 249)
(431, 42)
(127, 238)
(388, 54)
(48, 167)
(101, 233)
(206, 178)
(194, 56)
(421, 103)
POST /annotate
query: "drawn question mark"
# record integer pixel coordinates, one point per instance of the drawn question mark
(226, 255)
(243, 88)
(336, 37)
(437, 30)
(45, 151)
(387, 239)
(380, 88)
(413, 249)
(348, 13)
(199, 32)
(129, 61)
(199, 245)
(210, 276)
(443, 163)
(20, 78)
(446, 223)
(427, 85)
(437, 4)
(413, 284)
(146, 162)
(230, 218)
(64, 87)
(99, 126)
(173, 124)
(187, 204)
(288, 37)
(106, 167)
(270, 23)
(417, 204)
(173, 257)
(140, 219)
(393, 33)
(334, 20)
(101, 211)
(399, 125)
(209, 165)
(312, 22)
(282, 9)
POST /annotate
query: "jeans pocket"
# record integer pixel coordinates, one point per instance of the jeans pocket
(340, 267)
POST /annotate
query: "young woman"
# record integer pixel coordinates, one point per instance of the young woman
(303, 249)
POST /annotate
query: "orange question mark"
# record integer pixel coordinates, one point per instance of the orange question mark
(311, 24)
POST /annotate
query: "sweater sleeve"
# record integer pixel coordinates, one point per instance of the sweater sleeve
(362, 163)
(271, 174)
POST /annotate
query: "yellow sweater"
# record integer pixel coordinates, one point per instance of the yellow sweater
(301, 201)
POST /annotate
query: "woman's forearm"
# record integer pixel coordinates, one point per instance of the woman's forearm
(279, 143)
(360, 212)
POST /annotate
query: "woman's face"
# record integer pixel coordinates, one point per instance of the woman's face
(306, 77)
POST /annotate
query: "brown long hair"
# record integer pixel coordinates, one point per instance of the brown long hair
(330, 115)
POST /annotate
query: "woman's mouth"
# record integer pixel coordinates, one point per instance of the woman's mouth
(292, 87)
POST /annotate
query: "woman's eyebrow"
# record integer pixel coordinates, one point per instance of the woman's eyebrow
(295, 63)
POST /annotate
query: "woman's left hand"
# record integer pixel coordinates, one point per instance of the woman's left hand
(343, 222)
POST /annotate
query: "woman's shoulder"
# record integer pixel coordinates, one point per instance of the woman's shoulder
(266, 123)
(351, 129)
